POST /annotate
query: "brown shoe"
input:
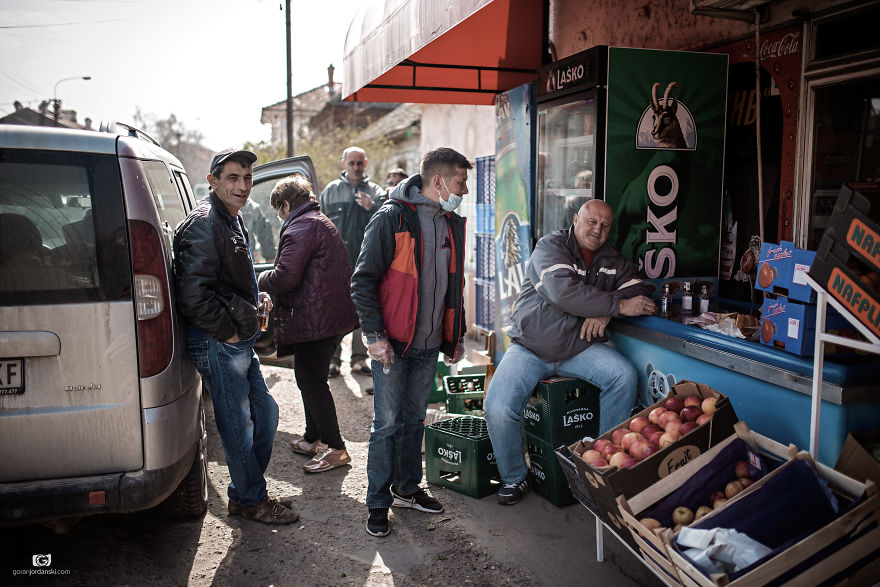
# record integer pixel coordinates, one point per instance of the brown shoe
(310, 449)
(269, 511)
(329, 459)
(234, 508)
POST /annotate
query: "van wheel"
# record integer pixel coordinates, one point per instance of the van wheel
(190, 499)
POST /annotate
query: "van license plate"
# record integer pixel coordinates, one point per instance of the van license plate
(11, 376)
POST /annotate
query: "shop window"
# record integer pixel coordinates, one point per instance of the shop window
(846, 144)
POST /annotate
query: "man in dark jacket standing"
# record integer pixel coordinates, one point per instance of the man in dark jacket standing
(575, 283)
(349, 202)
(407, 288)
(217, 292)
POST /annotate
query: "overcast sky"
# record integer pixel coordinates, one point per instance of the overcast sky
(212, 63)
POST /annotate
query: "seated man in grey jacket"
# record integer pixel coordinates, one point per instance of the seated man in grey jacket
(575, 283)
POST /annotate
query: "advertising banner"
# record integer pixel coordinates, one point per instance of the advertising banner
(665, 160)
(514, 181)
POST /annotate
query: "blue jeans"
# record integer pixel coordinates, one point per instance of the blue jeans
(399, 407)
(519, 372)
(246, 415)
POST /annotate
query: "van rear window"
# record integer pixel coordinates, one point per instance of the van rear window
(62, 228)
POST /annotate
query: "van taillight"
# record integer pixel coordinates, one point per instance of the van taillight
(151, 299)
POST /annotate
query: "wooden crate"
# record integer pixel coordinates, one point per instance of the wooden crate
(654, 545)
(802, 563)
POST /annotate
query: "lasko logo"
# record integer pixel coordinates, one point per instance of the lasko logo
(577, 416)
(561, 78)
(531, 414)
(450, 456)
(538, 472)
(677, 459)
(666, 123)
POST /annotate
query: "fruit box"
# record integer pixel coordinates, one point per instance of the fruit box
(821, 527)
(855, 461)
(774, 268)
(692, 486)
(791, 326)
(606, 483)
(855, 223)
(562, 410)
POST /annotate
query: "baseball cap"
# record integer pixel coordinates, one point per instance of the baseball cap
(225, 154)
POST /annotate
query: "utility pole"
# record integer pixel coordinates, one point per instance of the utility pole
(289, 87)
(56, 102)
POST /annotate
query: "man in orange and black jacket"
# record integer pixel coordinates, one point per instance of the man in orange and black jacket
(407, 288)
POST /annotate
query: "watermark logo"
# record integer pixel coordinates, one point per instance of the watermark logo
(42, 560)
(41, 564)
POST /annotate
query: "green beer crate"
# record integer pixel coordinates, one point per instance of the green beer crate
(458, 456)
(464, 394)
(562, 410)
(548, 476)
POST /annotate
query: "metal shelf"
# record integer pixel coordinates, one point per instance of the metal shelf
(872, 346)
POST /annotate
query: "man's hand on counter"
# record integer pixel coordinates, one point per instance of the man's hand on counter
(594, 327)
(637, 306)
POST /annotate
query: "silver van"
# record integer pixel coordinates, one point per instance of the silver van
(100, 407)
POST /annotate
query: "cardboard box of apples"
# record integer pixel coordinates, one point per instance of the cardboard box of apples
(651, 445)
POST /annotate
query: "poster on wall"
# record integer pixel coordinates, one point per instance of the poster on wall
(780, 54)
(514, 180)
(665, 160)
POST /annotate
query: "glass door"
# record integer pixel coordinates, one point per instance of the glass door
(567, 175)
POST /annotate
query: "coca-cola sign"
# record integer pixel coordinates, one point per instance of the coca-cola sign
(789, 44)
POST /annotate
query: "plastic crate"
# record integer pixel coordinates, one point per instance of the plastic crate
(459, 456)
(485, 219)
(484, 303)
(485, 268)
(464, 394)
(562, 410)
(550, 480)
(486, 179)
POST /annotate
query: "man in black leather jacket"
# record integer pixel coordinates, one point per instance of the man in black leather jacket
(217, 292)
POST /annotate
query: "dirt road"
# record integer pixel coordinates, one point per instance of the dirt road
(473, 542)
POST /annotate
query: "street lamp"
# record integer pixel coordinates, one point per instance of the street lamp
(55, 101)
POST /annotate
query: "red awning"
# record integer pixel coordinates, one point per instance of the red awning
(441, 52)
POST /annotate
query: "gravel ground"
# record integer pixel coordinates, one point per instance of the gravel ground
(473, 542)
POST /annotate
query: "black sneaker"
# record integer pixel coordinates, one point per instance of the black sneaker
(637, 410)
(420, 500)
(510, 493)
(377, 523)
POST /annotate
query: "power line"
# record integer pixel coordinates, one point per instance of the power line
(36, 26)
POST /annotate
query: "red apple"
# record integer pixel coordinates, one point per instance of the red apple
(733, 488)
(600, 444)
(719, 502)
(635, 448)
(654, 415)
(690, 413)
(591, 455)
(687, 428)
(746, 481)
(599, 463)
(649, 450)
(655, 438)
(628, 463)
(692, 400)
(668, 438)
(741, 469)
(716, 495)
(666, 417)
(703, 418)
(618, 435)
(674, 426)
(708, 405)
(610, 450)
(638, 423)
(650, 523)
(674, 403)
(629, 438)
(650, 429)
(617, 459)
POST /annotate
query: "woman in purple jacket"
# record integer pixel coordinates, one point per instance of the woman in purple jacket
(313, 311)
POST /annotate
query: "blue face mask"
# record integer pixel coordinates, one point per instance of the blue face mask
(453, 202)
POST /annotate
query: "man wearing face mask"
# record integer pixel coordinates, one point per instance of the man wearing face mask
(407, 288)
